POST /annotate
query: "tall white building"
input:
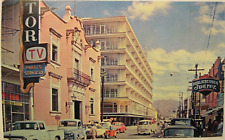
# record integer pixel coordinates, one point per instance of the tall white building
(128, 81)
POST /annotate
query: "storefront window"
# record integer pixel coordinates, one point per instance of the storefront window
(15, 105)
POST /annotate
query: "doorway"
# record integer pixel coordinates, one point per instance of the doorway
(77, 109)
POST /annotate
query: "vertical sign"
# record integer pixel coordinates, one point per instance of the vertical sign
(29, 35)
(30, 22)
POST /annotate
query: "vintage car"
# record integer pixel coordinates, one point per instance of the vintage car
(183, 121)
(33, 130)
(146, 127)
(120, 126)
(73, 129)
(179, 131)
(111, 131)
(100, 130)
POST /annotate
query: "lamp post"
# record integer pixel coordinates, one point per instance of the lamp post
(103, 73)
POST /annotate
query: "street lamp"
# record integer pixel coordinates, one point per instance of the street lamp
(103, 73)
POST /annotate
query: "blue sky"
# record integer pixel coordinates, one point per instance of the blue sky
(174, 33)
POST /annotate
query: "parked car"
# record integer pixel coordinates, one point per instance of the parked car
(111, 131)
(31, 130)
(146, 127)
(100, 130)
(120, 126)
(73, 129)
(180, 131)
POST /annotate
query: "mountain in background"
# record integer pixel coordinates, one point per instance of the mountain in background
(166, 107)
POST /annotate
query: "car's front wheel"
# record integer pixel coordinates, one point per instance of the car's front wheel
(107, 136)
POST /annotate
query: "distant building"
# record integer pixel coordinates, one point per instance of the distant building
(128, 81)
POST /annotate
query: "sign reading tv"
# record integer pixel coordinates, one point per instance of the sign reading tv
(205, 86)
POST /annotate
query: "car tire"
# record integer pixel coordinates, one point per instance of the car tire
(77, 137)
(115, 135)
(57, 138)
(107, 136)
(85, 137)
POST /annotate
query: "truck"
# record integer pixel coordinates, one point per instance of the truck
(73, 129)
(33, 130)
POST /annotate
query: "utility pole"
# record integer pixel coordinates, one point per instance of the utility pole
(103, 73)
(181, 104)
(194, 93)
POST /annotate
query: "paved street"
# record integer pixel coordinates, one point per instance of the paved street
(131, 133)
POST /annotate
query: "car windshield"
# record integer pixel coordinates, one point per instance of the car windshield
(143, 123)
(117, 124)
(20, 126)
(105, 125)
(181, 122)
(67, 124)
(181, 132)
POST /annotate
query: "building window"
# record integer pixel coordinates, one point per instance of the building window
(102, 28)
(55, 53)
(87, 29)
(92, 106)
(54, 99)
(103, 45)
(92, 74)
(111, 92)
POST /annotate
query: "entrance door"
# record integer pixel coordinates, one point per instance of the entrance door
(77, 111)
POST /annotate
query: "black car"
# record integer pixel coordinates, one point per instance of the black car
(180, 131)
(183, 121)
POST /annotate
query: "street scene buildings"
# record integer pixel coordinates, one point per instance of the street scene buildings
(93, 71)
(128, 81)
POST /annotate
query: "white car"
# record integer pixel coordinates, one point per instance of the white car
(99, 128)
(146, 127)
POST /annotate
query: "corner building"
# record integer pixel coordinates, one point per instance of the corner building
(70, 87)
(128, 81)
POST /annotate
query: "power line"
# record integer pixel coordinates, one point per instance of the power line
(214, 13)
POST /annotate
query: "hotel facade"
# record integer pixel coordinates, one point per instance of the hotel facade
(127, 88)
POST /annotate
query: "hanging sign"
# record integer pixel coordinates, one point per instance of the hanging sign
(36, 53)
(29, 35)
(33, 70)
(205, 86)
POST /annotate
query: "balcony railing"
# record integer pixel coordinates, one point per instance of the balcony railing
(78, 77)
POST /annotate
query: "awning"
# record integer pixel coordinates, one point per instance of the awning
(214, 109)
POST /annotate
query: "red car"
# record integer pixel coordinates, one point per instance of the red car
(111, 131)
(120, 126)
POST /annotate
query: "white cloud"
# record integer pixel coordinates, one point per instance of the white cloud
(221, 45)
(177, 62)
(145, 10)
(106, 13)
(206, 15)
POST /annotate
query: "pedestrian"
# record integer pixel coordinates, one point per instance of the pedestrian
(215, 124)
(209, 125)
(220, 128)
(93, 131)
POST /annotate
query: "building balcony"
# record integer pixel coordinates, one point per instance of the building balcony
(78, 77)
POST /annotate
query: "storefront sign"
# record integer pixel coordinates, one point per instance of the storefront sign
(205, 86)
(31, 22)
(10, 96)
(36, 53)
(33, 70)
